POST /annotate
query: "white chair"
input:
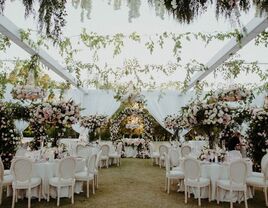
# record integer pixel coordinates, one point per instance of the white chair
(185, 150)
(163, 149)
(263, 162)
(153, 154)
(6, 172)
(88, 174)
(192, 178)
(174, 157)
(5, 180)
(21, 152)
(65, 178)
(82, 151)
(171, 174)
(96, 171)
(234, 155)
(21, 169)
(237, 181)
(104, 157)
(117, 154)
(260, 182)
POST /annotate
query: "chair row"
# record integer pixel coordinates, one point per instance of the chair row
(190, 176)
(21, 177)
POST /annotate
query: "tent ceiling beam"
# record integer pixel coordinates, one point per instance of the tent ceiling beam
(253, 28)
(10, 30)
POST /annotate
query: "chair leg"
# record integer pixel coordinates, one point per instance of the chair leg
(48, 193)
(209, 194)
(39, 197)
(87, 189)
(185, 194)
(165, 183)
(231, 199)
(265, 196)
(218, 196)
(29, 198)
(1, 194)
(199, 196)
(168, 185)
(97, 181)
(93, 187)
(73, 194)
(246, 198)
(58, 197)
(13, 198)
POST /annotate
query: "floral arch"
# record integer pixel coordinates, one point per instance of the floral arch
(115, 124)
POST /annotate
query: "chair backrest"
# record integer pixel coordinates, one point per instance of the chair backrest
(2, 168)
(105, 150)
(21, 152)
(21, 169)
(163, 149)
(151, 148)
(185, 150)
(91, 164)
(265, 172)
(192, 168)
(264, 161)
(234, 155)
(238, 171)
(174, 156)
(67, 168)
(167, 162)
(119, 148)
(98, 159)
(82, 151)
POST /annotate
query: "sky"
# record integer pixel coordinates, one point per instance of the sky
(105, 19)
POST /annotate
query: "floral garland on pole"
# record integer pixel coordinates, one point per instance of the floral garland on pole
(258, 136)
(115, 125)
(56, 115)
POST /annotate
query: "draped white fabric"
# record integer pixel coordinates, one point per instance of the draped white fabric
(83, 132)
(21, 125)
(161, 104)
(100, 102)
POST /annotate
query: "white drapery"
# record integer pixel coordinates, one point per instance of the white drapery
(21, 125)
(100, 102)
(161, 104)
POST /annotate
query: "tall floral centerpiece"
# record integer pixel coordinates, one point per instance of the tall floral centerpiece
(208, 118)
(56, 116)
(93, 122)
(258, 135)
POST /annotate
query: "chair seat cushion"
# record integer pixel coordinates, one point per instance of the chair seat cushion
(225, 184)
(155, 155)
(114, 155)
(104, 157)
(84, 176)
(7, 179)
(63, 182)
(194, 183)
(257, 174)
(256, 181)
(7, 172)
(177, 169)
(35, 181)
(175, 174)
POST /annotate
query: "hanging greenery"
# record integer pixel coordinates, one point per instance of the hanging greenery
(51, 15)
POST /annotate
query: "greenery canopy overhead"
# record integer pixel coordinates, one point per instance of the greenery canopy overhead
(52, 14)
